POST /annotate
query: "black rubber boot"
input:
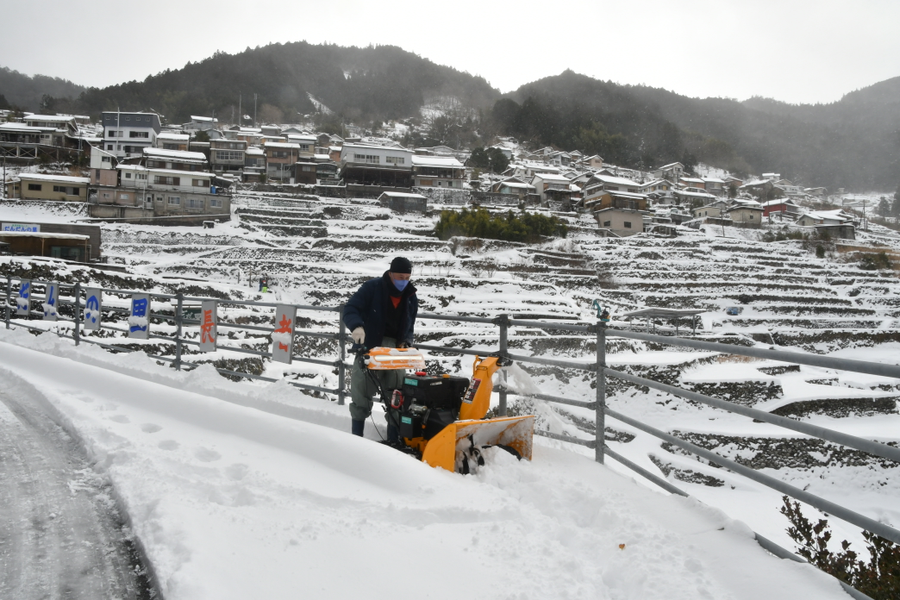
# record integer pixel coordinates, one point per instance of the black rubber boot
(357, 427)
(393, 435)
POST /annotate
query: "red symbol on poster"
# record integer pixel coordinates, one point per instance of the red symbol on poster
(207, 327)
(285, 325)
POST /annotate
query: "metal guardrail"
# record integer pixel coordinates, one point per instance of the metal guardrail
(600, 334)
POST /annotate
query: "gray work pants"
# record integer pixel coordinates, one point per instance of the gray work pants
(362, 388)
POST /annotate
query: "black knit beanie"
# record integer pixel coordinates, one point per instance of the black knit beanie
(401, 265)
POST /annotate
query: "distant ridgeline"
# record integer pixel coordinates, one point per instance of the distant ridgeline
(853, 143)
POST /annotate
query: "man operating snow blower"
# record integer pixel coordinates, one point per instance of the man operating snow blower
(382, 312)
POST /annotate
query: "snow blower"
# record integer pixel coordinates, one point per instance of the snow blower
(442, 417)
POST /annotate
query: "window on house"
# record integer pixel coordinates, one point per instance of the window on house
(67, 190)
(627, 224)
(127, 175)
(215, 203)
(174, 200)
(367, 158)
(607, 223)
(395, 160)
(35, 187)
(200, 182)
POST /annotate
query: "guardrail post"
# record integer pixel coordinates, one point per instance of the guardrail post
(178, 322)
(342, 370)
(503, 322)
(600, 431)
(8, 299)
(77, 332)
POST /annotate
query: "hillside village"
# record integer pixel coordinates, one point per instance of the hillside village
(317, 215)
(133, 167)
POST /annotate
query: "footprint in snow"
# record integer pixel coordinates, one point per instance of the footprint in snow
(207, 455)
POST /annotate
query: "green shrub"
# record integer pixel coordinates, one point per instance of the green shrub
(524, 227)
(878, 578)
(875, 262)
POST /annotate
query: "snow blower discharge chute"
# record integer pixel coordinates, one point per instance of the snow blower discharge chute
(442, 416)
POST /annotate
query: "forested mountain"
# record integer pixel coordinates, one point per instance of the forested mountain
(358, 84)
(853, 143)
(26, 92)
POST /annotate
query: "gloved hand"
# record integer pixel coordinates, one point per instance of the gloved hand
(358, 335)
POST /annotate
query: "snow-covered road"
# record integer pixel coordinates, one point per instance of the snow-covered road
(61, 533)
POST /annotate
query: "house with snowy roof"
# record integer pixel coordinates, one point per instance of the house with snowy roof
(56, 130)
(780, 208)
(201, 123)
(513, 186)
(370, 164)
(672, 172)
(745, 213)
(660, 190)
(437, 171)
(227, 155)
(693, 197)
(280, 159)
(712, 210)
(169, 140)
(166, 183)
(552, 186)
(835, 223)
(40, 186)
(619, 213)
(714, 185)
(126, 134)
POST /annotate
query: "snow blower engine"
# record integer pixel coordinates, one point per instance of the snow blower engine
(442, 416)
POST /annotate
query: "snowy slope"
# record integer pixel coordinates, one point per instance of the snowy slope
(232, 501)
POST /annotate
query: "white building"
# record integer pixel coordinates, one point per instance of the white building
(126, 134)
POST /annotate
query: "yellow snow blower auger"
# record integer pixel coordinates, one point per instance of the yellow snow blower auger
(442, 416)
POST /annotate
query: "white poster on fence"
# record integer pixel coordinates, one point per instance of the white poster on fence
(23, 300)
(92, 306)
(208, 326)
(139, 320)
(283, 336)
(51, 301)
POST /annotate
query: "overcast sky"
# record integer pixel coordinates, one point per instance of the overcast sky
(797, 51)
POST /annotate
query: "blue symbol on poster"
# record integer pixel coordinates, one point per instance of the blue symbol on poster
(139, 310)
(25, 290)
(51, 296)
(92, 308)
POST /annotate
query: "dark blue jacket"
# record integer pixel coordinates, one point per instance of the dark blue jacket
(366, 309)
